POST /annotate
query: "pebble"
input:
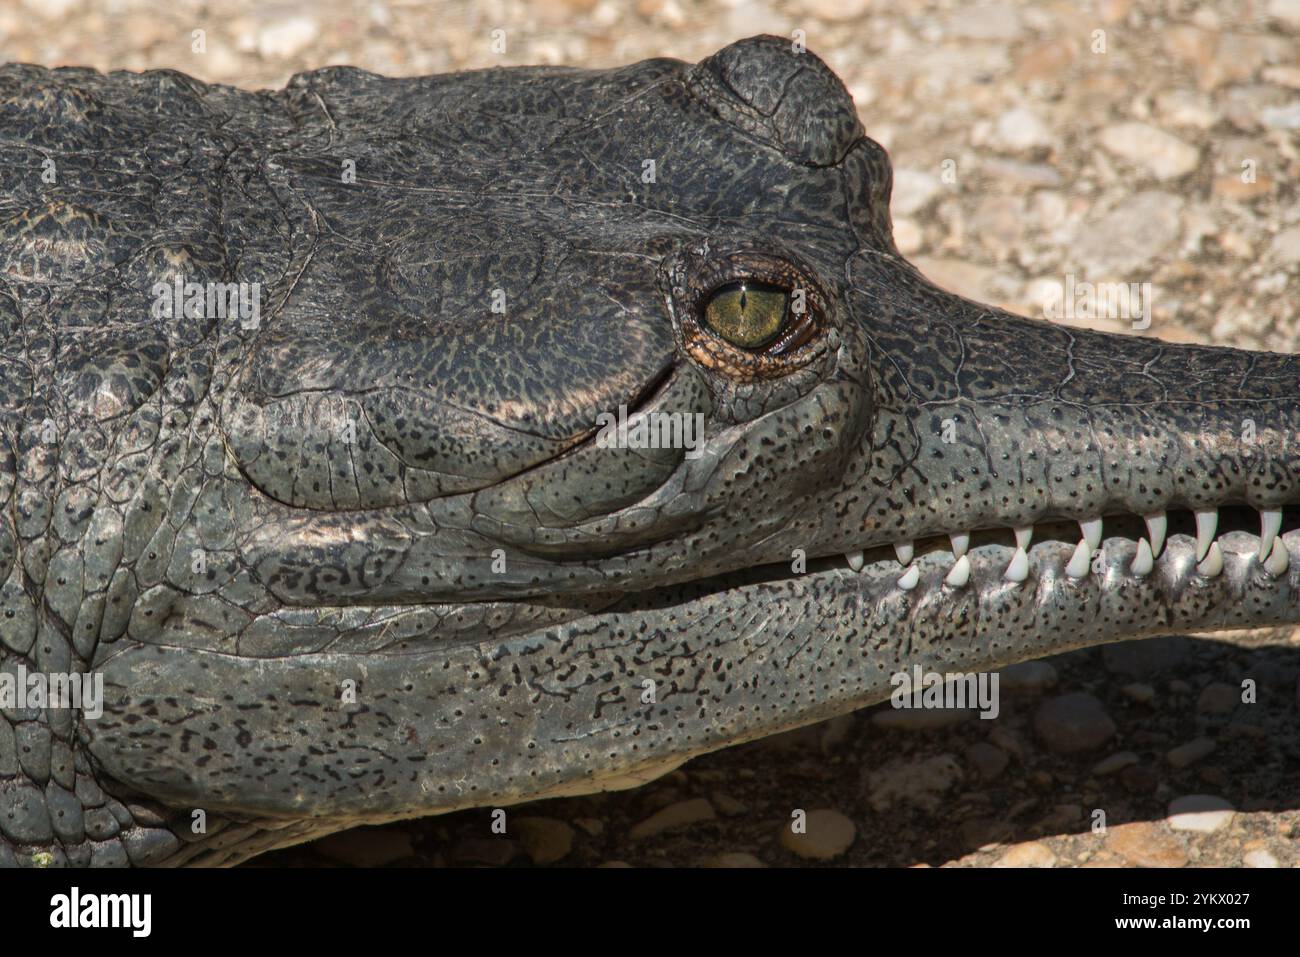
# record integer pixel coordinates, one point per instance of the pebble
(1288, 11)
(993, 21)
(1218, 698)
(1073, 722)
(1140, 691)
(1147, 656)
(1123, 241)
(1063, 817)
(828, 834)
(1161, 154)
(495, 852)
(1281, 117)
(285, 39)
(1115, 762)
(987, 760)
(1020, 129)
(1140, 779)
(1008, 741)
(366, 846)
(734, 859)
(913, 190)
(1286, 245)
(1028, 854)
(1180, 107)
(1028, 676)
(1288, 76)
(1190, 43)
(1188, 754)
(835, 11)
(727, 805)
(545, 840)
(51, 9)
(1204, 813)
(919, 782)
(1260, 859)
(907, 236)
(592, 825)
(1028, 174)
(982, 831)
(964, 278)
(1145, 844)
(677, 815)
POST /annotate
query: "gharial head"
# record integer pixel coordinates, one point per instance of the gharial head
(387, 556)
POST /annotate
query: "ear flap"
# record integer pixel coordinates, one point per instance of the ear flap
(785, 97)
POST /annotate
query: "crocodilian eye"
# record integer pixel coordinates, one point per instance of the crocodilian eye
(748, 314)
(760, 317)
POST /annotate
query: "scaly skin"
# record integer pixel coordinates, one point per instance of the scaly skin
(366, 561)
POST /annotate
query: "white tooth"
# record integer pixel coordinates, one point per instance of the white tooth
(904, 551)
(1207, 521)
(960, 573)
(1278, 559)
(1024, 535)
(1018, 570)
(855, 560)
(1212, 566)
(1143, 561)
(1270, 523)
(1080, 561)
(960, 542)
(910, 578)
(1091, 531)
(1156, 526)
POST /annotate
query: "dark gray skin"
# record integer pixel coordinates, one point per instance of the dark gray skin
(366, 561)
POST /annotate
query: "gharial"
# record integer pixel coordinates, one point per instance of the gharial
(358, 555)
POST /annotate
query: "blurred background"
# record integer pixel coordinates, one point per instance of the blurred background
(1148, 141)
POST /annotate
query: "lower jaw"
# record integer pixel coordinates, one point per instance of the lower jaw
(563, 709)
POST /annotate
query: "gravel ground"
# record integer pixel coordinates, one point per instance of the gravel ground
(1119, 140)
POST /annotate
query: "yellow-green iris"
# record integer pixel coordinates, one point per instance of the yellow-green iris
(747, 314)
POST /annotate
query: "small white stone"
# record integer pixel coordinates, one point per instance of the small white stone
(1204, 813)
(907, 236)
(1021, 129)
(827, 834)
(1281, 117)
(1163, 155)
(835, 11)
(913, 190)
(1288, 11)
(1260, 859)
(679, 815)
(1286, 245)
(993, 21)
(287, 38)
(1186, 108)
